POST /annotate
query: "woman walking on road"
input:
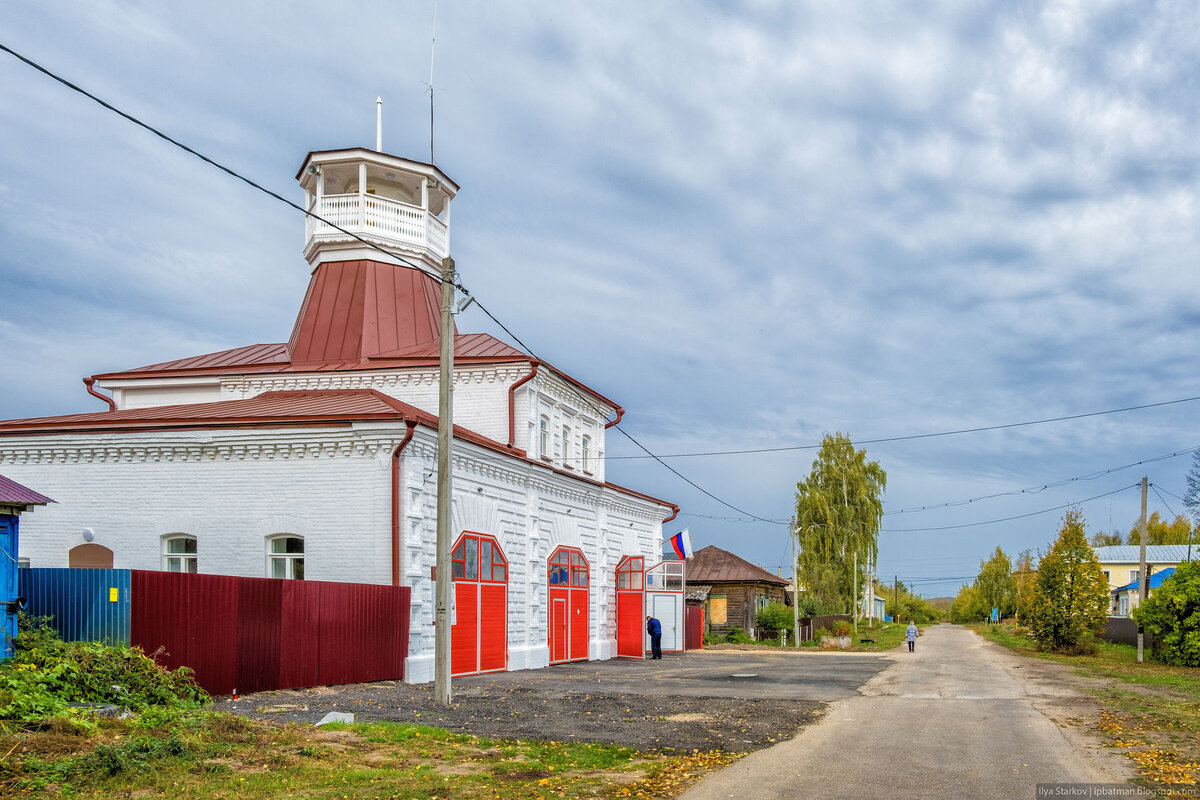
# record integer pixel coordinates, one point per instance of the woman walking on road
(910, 635)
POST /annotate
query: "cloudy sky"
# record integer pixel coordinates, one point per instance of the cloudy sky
(750, 224)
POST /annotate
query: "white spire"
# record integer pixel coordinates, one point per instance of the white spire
(378, 124)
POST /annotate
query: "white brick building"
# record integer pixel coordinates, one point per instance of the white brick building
(316, 458)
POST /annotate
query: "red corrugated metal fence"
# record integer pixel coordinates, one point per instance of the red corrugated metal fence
(256, 634)
(693, 628)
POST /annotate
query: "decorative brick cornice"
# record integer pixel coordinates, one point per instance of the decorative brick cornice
(232, 445)
(242, 386)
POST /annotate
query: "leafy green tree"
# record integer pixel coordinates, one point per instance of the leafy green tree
(995, 584)
(1191, 495)
(1171, 614)
(1159, 531)
(968, 606)
(1070, 596)
(774, 618)
(1102, 539)
(912, 606)
(1024, 583)
(838, 510)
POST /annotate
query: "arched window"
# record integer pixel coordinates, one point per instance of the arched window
(179, 553)
(285, 557)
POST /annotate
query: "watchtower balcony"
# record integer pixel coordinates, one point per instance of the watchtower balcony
(382, 220)
(397, 204)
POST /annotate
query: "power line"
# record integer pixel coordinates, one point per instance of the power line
(235, 174)
(923, 435)
(1038, 489)
(1007, 519)
(1164, 501)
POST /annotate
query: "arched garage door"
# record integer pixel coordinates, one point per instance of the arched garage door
(479, 634)
(631, 607)
(567, 577)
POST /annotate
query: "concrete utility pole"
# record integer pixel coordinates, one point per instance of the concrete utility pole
(896, 597)
(445, 485)
(1143, 579)
(795, 587)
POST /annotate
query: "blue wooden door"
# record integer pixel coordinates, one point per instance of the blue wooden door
(8, 582)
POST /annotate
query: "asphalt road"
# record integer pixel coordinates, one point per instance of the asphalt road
(953, 721)
(750, 674)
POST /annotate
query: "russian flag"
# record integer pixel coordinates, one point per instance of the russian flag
(682, 544)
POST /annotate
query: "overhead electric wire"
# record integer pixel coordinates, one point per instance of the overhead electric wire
(1039, 489)
(1164, 501)
(648, 454)
(923, 435)
(1007, 519)
(235, 174)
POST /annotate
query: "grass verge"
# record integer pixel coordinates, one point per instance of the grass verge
(194, 754)
(1151, 711)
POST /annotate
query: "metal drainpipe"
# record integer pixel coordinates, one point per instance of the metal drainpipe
(512, 400)
(112, 406)
(412, 428)
(607, 425)
(674, 513)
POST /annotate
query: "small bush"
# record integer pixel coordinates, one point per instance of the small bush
(45, 674)
(738, 636)
(842, 627)
(771, 620)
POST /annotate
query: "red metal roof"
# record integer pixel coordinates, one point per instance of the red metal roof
(270, 407)
(713, 565)
(326, 407)
(467, 347)
(358, 309)
(264, 355)
(355, 315)
(14, 494)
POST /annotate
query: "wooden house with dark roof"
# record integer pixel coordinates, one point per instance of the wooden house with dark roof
(732, 589)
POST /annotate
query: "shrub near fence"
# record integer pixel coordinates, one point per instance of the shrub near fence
(810, 624)
(252, 634)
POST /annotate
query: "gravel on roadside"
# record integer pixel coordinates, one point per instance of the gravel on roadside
(512, 711)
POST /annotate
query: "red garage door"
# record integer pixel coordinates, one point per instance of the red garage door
(479, 635)
(631, 607)
(568, 579)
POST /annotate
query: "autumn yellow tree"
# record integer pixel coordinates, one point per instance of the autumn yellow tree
(1070, 596)
(1159, 531)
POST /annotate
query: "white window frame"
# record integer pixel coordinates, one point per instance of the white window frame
(585, 453)
(544, 436)
(566, 443)
(184, 558)
(288, 560)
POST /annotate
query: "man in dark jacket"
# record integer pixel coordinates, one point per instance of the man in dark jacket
(654, 628)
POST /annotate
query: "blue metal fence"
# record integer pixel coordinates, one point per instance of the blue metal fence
(88, 605)
(8, 582)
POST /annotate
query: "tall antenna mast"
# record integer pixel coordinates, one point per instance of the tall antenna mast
(378, 124)
(432, 50)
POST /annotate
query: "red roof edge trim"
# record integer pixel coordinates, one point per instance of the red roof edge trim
(581, 385)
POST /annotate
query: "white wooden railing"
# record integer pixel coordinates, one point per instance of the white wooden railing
(377, 218)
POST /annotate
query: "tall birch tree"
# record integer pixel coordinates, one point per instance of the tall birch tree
(838, 512)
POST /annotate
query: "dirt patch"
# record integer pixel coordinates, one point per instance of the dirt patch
(509, 711)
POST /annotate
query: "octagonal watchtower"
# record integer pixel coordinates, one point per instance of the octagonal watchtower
(401, 205)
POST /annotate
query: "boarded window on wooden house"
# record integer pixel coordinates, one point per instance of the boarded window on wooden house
(716, 609)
